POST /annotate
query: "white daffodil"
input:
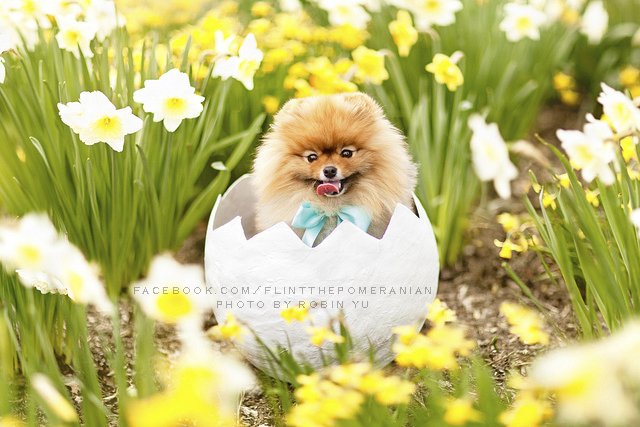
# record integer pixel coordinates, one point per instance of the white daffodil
(621, 348)
(595, 21)
(54, 400)
(590, 151)
(95, 119)
(225, 67)
(553, 9)
(72, 115)
(522, 21)
(620, 111)
(65, 9)
(171, 292)
(490, 156)
(242, 67)
(579, 377)
(428, 13)
(29, 10)
(28, 244)
(44, 259)
(171, 99)
(222, 44)
(72, 272)
(290, 6)
(76, 36)
(346, 12)
(103, 15)
(21, 29)
(250, 59)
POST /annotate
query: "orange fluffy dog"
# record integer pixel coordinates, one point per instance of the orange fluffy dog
(330, 152)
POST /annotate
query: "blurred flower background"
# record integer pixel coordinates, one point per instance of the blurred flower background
(121, 122)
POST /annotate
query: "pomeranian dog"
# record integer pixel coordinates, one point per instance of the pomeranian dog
(332, 151)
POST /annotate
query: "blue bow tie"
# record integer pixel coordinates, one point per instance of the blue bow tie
(312, 220)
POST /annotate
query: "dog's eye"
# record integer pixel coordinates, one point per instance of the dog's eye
(346, 153)
(312, 157)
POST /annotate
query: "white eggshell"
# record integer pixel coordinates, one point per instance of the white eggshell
(376, 283)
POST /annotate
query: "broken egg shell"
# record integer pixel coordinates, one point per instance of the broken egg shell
(252, 275)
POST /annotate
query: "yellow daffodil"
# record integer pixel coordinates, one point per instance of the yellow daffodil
(228, 8)
(261, 9)
(563, 180)
(229, 330)
(321, 402)
(460, 411)
(509, 222)
(507, 248)
(275, 57)
(439, 313)
(338, 393)
(318, 76)
(629, 148)
(319, 335)
(565, 85)
(437, 350)
(406, 333)
(350, 374)
(369, 65)
(563, 81)
(270, 104)
(570, 97)
(451, 337)
(525, 323)
(348, 36)
(526, 411)
(446, 70)
(200, 389)
(390, 390)
(260, 27)
(592, 197)
(549, 200)
(403, 33)
(629, 76)
(295, 313)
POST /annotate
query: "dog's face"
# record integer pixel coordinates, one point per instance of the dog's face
(333, 150)
(329, 164)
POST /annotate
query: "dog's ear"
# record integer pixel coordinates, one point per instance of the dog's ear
(363, 103)
(291, 106)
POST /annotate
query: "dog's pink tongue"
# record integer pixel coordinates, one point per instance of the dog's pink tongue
(328, 188)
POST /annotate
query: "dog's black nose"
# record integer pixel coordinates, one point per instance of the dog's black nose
(330, 172)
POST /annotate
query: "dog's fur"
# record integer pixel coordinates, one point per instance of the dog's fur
(379, 174)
